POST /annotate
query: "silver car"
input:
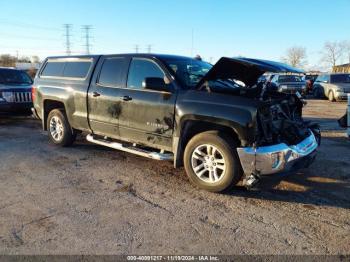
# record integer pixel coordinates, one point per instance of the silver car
(335, 87)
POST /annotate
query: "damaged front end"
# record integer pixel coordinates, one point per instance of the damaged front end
(283, 140)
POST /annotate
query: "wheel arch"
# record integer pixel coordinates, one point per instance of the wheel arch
(191, 127)
(48, 106)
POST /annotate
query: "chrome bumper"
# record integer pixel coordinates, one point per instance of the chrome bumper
(278, 158)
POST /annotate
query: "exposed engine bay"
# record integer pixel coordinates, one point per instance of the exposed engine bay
(279, 116)
(280, 121)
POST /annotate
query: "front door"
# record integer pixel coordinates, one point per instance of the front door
(150, 113)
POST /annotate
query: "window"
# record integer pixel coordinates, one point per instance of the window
(76, 69)
(275, 79)
(341, 78)
(289, 78)
(73, 69)
(10, 76)
(140, 69)
(113, 72)
(321, 78)
(188, 71)
(53, 69)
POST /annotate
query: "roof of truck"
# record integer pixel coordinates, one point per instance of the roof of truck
(164, 56)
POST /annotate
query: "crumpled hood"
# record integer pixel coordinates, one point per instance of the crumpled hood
(247, 70)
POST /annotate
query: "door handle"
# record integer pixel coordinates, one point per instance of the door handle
(126, 98)
(95, 94)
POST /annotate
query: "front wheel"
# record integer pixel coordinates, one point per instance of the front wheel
(331, 96)
(211, 161)
(59, 129)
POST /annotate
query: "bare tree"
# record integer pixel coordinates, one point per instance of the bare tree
(7, 60)
(295, 56)
(332, 52)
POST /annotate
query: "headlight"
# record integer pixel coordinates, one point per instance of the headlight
(340, 90)
(283, 87)
(7, 96)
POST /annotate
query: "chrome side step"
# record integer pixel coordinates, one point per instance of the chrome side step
(130, 149)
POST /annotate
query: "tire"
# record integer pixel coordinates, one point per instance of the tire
(217, 170)
(59, 129)
(316, 93)
(331, 96)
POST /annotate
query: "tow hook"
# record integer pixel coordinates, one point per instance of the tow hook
(250, 181)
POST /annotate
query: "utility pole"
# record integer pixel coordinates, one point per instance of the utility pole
(149, 49)
(136, 49)
(68, 28)
(86, 29)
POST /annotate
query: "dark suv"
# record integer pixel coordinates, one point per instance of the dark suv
(15, 91)
(288, 84)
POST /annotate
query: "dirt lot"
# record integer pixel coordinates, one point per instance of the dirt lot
(89, 199)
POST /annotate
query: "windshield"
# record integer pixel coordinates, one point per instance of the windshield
(343, 78)
(9, 76)
(188, 71)
(289, 78)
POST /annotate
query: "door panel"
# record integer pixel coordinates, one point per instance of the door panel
(150, 113)
(105, 103)
(150, 118)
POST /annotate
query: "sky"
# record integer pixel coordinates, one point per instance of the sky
(210, 28)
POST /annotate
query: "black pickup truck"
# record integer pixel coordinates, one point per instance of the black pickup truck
(217, 121)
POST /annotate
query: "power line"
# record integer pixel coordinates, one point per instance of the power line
(26, 25)
(86, 29)
(28, 37)
(136, 49)
(68, 28)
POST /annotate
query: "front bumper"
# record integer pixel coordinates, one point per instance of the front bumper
(278, 158)
(340, 95)
(6, 107)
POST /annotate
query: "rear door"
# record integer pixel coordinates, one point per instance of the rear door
(105, 103)
(149, 113)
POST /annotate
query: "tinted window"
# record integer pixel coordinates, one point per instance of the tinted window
(76, 69)
(289, 78)
(9, 76)
(140, 69)
(320, 78)
(341, 78)
(112, 72)
(53, 69)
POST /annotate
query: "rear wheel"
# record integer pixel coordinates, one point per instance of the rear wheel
(211, 161)
(59, 129)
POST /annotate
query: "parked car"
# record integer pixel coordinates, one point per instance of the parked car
(214, 120)
(288, 83)
(15, 91)
(332, 86)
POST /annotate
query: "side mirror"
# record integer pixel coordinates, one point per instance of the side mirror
(154, 83)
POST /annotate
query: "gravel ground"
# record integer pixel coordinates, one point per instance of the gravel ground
(88, 199)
